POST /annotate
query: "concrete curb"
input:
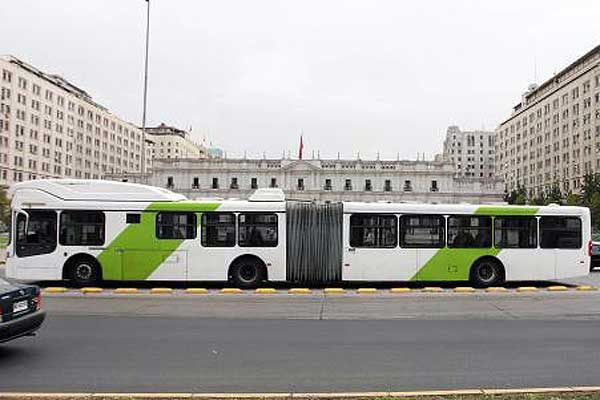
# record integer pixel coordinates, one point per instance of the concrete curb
(307, 396)
(299, 291)
(196, 291)
(126, 291)
(334, 291)
(161, 290)
(87, 290)
(265, 291)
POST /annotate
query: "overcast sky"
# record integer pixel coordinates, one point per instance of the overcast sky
(355, 76)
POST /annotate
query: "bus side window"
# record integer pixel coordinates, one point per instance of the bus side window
(422, 231)
(373, 230)
(469, 231)
(218, 229)
(515, 232)
(257, 230)
(176, 225)
(560, 233)
(82, 228)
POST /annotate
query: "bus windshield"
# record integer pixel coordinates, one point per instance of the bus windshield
(38, 236)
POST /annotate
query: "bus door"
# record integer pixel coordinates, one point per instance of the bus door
(371, 250)
(562, 236)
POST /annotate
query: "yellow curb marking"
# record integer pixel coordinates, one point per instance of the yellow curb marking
(56, 290)
(400, 290)
(496, 289)
(299, 291)
(527, 289)
(86, 290)
(585, 288)
(557, 288)
(265, 291)
(196, 291)
(334, 291)
(126, 290)
(231, 291)
(366, 291)
(161, 290)
(464, 289)
(432, 289)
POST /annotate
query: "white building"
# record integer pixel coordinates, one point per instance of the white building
(171, 142)
(50, 128)
(349, 180)
(552, 137)
(472, 152)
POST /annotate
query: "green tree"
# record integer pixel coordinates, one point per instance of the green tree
(518, 196)
(574, 199)
(4, 207)
(554, 195)
(594, 205)
(591, 185)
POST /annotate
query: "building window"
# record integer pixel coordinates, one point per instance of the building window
(434, 186)
(170, 225)
(466, 231)
(348, 185)
(257, 230)
(368, 185)
(218, 229)
(85, 228)
(515, 232)
(560, 233)
(328, 184)
(425, 231)
(273, 182)
(373, 230)
(196, 183)
(387, 186)
(407, 186)
(254, 183)
(215, 183)
(234, 183)
(300, 184)
(170, 184)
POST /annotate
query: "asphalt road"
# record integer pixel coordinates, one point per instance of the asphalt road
(284, 343)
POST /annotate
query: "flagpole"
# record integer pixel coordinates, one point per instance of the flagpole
(143, 163)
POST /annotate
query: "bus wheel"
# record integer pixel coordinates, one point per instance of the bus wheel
(84, 271)
(487, 272)
(247, 273)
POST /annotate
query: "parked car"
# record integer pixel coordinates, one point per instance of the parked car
(21, 311)
(595, 260)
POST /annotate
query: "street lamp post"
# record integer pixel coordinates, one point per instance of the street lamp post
(143, 163)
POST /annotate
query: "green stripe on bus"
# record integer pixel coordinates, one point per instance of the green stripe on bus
(136, 252)
(449, 264)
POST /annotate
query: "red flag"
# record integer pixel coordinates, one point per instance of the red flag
(301, 148)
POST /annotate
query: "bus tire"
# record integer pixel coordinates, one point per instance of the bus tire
(487, 272)
(83, 270)
(247, 272)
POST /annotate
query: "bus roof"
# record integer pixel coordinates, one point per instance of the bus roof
(96, 190)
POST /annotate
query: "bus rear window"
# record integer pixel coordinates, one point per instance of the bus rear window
(81, 228)
(560, 232)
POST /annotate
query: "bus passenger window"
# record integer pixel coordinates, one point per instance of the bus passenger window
(515, 232)
(257, 230)
(176, 225)
(40, 237)
(422, 231)
(81, 228)
(469, 231)
(218, 229)
(560, 232)
(373, 230)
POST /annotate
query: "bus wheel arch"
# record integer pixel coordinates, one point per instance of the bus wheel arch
(247, 271)
(487, 271)
(82, 269)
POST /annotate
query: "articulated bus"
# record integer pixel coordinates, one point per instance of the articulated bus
(88, 231)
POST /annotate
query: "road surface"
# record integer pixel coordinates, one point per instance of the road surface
(281, 343)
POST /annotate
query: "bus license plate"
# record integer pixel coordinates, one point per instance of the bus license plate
(20, 306)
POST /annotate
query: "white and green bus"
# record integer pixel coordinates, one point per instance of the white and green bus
(88, 231)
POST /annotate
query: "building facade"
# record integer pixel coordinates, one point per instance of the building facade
(471, 152)
(552, 138)
(50, 128)
(171, 142)
(318, 179)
